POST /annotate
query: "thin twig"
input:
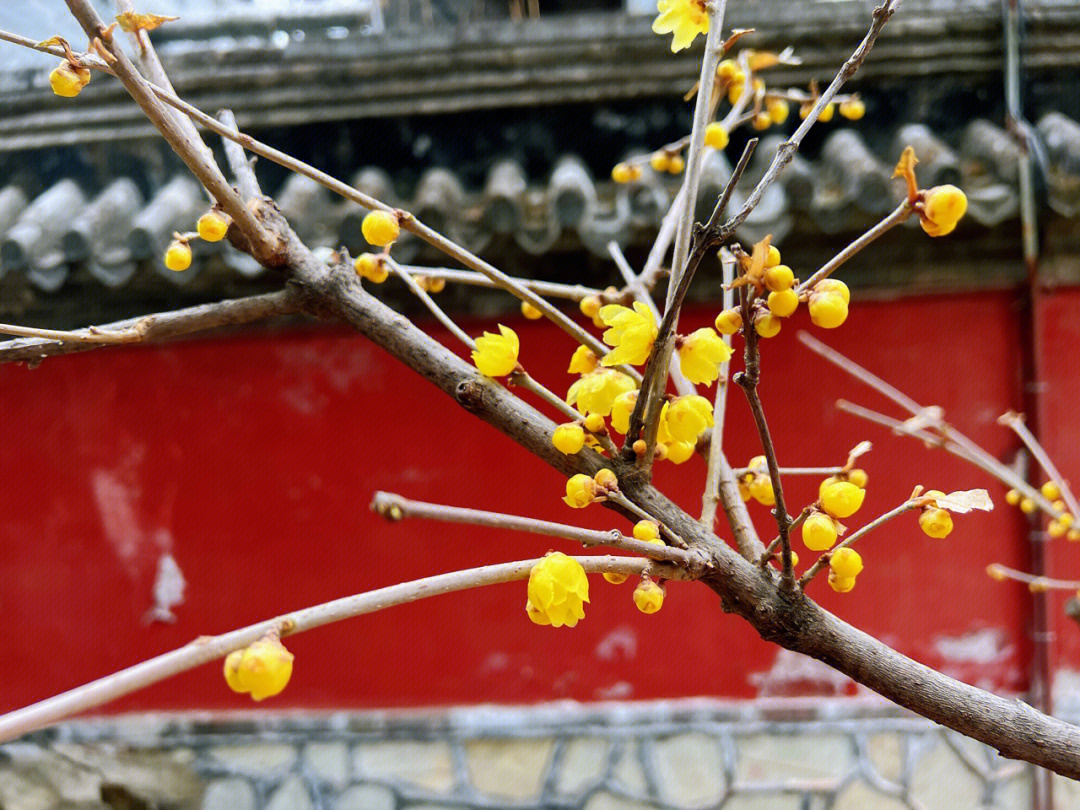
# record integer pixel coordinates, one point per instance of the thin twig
(1034, 583)
(395, 507)
(92, 334)
(428, 302)
(158, 327)
(826, 471)
(823, 560)
(206, 649)
(548, 289)
(902, 212)
(1016, 422)
(238, 161)
(770, 550)
(710, 498)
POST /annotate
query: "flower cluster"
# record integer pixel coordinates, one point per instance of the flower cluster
(1061, 525)
(210, 227)
(262, 669)
(844, 565)
(558, 589)
(839, 496)
(581, 489)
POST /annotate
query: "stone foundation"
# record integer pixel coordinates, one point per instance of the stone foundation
(851, 754)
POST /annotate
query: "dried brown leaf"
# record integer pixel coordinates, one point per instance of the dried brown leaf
(130, 21)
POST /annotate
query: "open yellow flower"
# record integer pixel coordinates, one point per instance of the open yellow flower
(700, 356)
(683, 18)
(583, 361)
(497, 355)
(688, 417)
(632, 333)
(262, 669)
(596, 391)
(558, 588)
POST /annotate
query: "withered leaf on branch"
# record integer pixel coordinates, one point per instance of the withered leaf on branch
(130, 21)
(965, 500)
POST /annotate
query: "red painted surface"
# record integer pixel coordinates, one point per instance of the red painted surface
(253, 460)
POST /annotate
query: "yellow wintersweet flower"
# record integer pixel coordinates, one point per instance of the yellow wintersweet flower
(497, 355)
(581, 490)
(842, 499)
(558, 588)
(262, 669)
(596, 391)
(943, 207)
(649, 595)
(679, 452)
(568, 438)
(621, 408)
(683, 18)
(688, 417)
(700, 356)
(631, 334)
(583, 361)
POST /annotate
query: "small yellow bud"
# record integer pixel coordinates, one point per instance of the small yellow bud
(264, 669)
(1051, 491)
(727, 70)
(606, 480)
(659, 161)
(589, 306)
(846, 563)
(828, 482)
(380, 228)
(778, 110)
(530, 312)
(676, 164)
(936, 523)
(828, 310)
(1027, 506)
(766, 324)
(783, 303)
(996, 572)
(649, 595)
(827, 113)
(842, 499)
(1055, 529)
(1066, 519)
(626, 172)
(212, 226)
(371, 267)
(647, 531)
(943, 208)
(68, 80)
(431, 284)
(840, 584)
(232, 671)
(716, 137)
(729, 322)
(772, 258)
(1073, 535)
(852, 109)
(594, 423)
(616, 579)
(1012, 497)
(834, 285)
(1059, 505)
(178, 256)
(497, 355)
(755, 465)
(819, 532)
(581, 490)
(762, 121)
(858, 477)
(568, 438)
(779, 277)
(639, 447)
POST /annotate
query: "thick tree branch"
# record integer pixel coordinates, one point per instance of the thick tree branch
(156, 328)
(210, 648)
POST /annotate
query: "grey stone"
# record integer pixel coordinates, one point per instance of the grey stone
(859, 796)
(628, 773)
(508, 769)
(156, 777)
(291, 795)
(582, 765)
(25, 791)
(689, 770)
(366, 797)
(259, 759)
(608, 801)
(886, 752)
(231, 793)
(425, 764)
(772, 757)
(764, 801)
(328, 761)
(941, 780)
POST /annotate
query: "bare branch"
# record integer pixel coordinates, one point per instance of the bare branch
(242, 169)
(823, 560)
(156, 328)
(206, 649)
(1016, 422)
(395, 507)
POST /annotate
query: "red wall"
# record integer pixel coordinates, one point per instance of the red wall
(253, 460)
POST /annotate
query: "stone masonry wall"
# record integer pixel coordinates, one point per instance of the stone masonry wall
(850, 754)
